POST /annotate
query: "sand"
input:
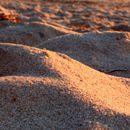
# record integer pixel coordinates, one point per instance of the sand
(44, 89)
(64, 65)
(105, 51)
(31, 34)
(81, 16)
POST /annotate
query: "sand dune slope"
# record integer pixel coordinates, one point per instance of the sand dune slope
(31, 34)
(40, 89)
(106, 51)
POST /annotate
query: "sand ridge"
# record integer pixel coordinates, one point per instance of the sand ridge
(31, 34)
(48, 74)
(105, 51)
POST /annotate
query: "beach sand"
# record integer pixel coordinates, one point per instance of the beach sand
(64, 65)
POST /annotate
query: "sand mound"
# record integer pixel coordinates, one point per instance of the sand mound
(106, 51)
(40, 89)
(31, 34)
(17, 62)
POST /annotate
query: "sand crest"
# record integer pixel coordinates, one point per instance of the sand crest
(46, 91)
(106, 51)
(31, 34)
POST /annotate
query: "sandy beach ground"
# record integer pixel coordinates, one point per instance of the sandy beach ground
(80, 16)
(65, 65)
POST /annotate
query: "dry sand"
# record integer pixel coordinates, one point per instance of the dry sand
(81, 16)
(105, 51)
(31, 34)
(55, 77)
(44, 89)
